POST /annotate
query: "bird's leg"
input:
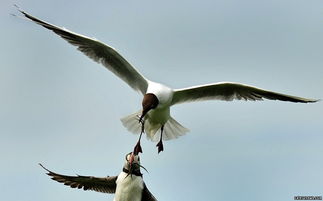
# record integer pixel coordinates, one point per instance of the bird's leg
(160, 143)
(138, 148)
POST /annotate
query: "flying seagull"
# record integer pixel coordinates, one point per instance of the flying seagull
(128, 185)
(158, 98)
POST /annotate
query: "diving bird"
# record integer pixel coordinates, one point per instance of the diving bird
(158, 98)
(128, 185)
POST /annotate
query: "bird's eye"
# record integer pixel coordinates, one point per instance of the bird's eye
(128, 155)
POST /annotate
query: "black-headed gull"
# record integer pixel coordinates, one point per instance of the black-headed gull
(158, 98)
(128, 185)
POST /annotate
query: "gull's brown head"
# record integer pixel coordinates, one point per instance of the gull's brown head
(149, 102)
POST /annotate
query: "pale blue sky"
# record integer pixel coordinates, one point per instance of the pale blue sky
(58, 107)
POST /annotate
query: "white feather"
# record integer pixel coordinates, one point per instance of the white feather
(172, 129)
(129, 188)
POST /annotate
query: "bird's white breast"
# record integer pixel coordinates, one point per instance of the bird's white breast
(129, 188)
(159, 116)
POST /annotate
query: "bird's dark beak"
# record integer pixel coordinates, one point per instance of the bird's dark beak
(149, 102)
(144, 112)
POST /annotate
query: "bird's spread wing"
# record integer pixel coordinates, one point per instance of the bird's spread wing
(229, 91)
(100, 53)
(146, 195)
(103, 185)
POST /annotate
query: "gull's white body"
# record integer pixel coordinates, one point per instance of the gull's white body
(160, 116)
(157, 117)
(129, 187)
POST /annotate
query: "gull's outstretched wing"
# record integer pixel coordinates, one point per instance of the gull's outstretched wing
(103, 185)
(229, 91)
(100, 53)
(146, 195)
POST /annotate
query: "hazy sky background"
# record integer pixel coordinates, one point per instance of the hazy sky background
(62, 109)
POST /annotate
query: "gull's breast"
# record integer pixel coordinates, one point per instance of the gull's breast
(159, 115)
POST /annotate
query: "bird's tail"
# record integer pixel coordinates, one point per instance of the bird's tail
(172, 129)
(131, 122)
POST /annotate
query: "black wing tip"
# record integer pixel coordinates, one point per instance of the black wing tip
(49, 173)
(315, 100)
(18, 8)
(30, 17)
(22, 12)
(44, 167)
(310, 100)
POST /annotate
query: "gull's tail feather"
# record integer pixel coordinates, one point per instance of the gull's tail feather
(131, 122)
(172, 129)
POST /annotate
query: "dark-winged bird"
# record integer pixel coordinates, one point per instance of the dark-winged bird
(127, 186)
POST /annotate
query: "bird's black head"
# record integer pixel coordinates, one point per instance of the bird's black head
(132, 164)
(132, 161)
(149, 102)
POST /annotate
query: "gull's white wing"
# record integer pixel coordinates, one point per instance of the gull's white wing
(229, 91)
(100, 53)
